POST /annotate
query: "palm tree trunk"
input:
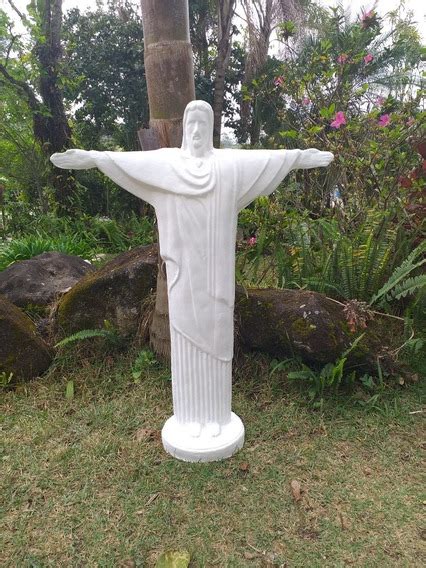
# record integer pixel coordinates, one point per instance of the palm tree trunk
(170, 81)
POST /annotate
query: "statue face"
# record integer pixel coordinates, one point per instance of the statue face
(197, 132)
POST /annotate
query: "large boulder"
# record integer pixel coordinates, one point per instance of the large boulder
(40, 280)
(287, 323)
(22, 351)
(114, 293)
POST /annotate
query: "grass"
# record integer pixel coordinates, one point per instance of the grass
(85, 482)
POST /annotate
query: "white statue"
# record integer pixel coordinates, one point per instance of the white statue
(197, 192)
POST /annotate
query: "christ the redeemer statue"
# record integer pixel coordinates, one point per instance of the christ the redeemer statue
(197, 192)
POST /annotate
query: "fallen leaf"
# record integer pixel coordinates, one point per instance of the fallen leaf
(174, 559)
(368, 470)
(244, 467)
(145, 434)
(296, 490)
(152, 498)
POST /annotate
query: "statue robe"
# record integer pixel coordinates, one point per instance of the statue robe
(197, 203)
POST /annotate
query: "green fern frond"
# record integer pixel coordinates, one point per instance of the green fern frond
(401, 272)
(407, 287)
(86, 334)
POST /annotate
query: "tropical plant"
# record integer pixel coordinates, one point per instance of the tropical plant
(327, 379)
(30, 246)
(294, 251)
(108, 333)
(400, 284)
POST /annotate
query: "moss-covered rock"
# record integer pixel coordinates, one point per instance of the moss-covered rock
(287, 322)
(114, 293)
(22, 351)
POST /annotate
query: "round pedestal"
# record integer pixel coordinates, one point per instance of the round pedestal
(179, 442)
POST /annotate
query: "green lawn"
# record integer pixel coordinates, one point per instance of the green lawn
(86, 483)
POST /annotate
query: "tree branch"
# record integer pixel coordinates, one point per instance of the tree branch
(15, 9)
(22, 88)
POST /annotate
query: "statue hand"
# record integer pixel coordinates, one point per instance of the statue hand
(313, 158)
(74, 160)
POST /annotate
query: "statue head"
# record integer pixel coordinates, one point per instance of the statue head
(198, 129)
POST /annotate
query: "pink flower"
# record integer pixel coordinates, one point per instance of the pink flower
(339, 120)
(306, 101)
(384, 120)
(380, 101)
(368, 58)
(251, 241)
(342, 58)
(368, 15)
(368, 19)
(278, 81)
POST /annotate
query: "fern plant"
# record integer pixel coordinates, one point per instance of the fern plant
(108, 332)
(299, 252)
(400, 283)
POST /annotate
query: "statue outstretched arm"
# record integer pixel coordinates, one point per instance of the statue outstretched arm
(129, 170)
(261, 171)
(76, 159)
(311, 158)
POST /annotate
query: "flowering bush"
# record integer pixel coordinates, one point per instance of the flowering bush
(356, 92)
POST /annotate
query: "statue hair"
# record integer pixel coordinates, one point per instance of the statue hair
(203, 107)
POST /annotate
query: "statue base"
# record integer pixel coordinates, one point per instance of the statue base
(178, 441)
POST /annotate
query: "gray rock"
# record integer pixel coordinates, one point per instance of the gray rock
(40, 280)
(22, 351)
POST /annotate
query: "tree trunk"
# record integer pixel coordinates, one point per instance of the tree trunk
(262, 17)
(225, 14)
(170, 81)
(51, 128)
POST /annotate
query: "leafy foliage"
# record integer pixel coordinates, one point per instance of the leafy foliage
(83, 236)
(329, 378)
(104, 75)
(400, 284)
(366, 78)
(295, 251)
(28, 247)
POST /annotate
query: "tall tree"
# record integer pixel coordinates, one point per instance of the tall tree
(225, 13)
(262, 17)
(103, 55)
(170, 81)
(42, 91)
